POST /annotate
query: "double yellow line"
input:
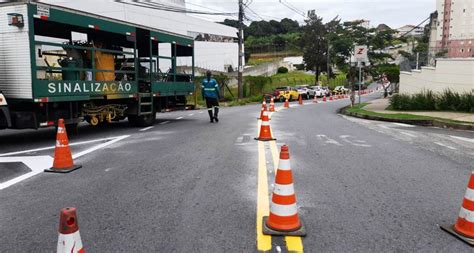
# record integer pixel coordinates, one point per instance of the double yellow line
(264, 242)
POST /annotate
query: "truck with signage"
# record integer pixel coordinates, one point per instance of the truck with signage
(57, 63)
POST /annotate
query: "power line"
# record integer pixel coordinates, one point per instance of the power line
(293, 8)
(252, 11)
(163, 7)
(418, 26)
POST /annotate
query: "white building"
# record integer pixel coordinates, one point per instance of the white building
(410, 31)
(215, 45)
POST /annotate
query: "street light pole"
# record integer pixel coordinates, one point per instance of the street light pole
(241, 68)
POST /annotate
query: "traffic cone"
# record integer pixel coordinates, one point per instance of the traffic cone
(272, 105)
(331, 98)
(315, 99)
(265, 131)
(62, 153)
(264, 108)
(283, 218)
(69, 239)
(287, 103)
(325, 99)
(300, 100)
(464, 227)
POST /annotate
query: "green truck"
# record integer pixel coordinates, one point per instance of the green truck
(57, 63)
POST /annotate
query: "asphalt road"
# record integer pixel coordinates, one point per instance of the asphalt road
(186, 185)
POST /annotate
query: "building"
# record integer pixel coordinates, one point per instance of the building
(409, 31)
(216, 46)
(455, 28)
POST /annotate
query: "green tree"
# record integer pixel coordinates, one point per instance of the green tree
(315, 44)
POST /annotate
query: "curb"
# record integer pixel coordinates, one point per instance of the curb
(424, 123)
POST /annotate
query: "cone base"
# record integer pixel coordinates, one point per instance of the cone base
(63, 171)
(449, 229)
(269, 231)
(271, 139)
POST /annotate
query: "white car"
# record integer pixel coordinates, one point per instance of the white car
(305, 91)
(318, 91)
(341, 89)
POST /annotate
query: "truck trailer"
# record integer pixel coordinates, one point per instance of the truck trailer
(57, 62)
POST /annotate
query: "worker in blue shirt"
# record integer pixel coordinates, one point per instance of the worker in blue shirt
(210, 92)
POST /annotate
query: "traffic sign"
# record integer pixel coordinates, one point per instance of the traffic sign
(360, 54)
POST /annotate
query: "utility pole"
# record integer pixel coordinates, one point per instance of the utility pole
(241, 41)
(328, 55)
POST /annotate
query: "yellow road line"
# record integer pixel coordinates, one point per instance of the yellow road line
(293, 243)
(264, 242)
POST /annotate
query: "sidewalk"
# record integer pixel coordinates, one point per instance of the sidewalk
(380, 105)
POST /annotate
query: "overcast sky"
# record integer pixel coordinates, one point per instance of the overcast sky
(394, 13)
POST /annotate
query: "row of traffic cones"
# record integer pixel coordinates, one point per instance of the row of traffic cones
(283, 218)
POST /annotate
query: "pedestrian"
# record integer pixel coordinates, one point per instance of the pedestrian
(210, 93)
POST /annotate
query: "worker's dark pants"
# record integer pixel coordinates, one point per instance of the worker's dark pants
(212, 103)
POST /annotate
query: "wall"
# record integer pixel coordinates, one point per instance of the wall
(455, 74)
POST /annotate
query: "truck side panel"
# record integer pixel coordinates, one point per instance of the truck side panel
(15, 67)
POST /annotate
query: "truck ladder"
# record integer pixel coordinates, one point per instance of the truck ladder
(145, 104)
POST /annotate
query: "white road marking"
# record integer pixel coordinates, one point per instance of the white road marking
(103, 145)
(52, 147)
(462, 138)
(179, 117)
(164, 122)
(403, 125)
(146, 128)
(384, 126)
(328, 140)
(37, 164)
(357, 143)
(190, 115)
(408, 134)
(444, 145)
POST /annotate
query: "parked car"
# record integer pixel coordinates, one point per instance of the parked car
(282, 93)
(340, 89)
(326, 90)
(305, 91)
(319, 91)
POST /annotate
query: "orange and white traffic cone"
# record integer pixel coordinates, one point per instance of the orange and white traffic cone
(63, 162)
(264, 108)
(331, 98)
(464, 227)
(69, 239)
(325, 99)
(315, 99)
(272, 105)
(283, 218)
(300, 100)
(265, 131)
(287, 103)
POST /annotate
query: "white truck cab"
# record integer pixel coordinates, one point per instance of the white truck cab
(5, 120)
